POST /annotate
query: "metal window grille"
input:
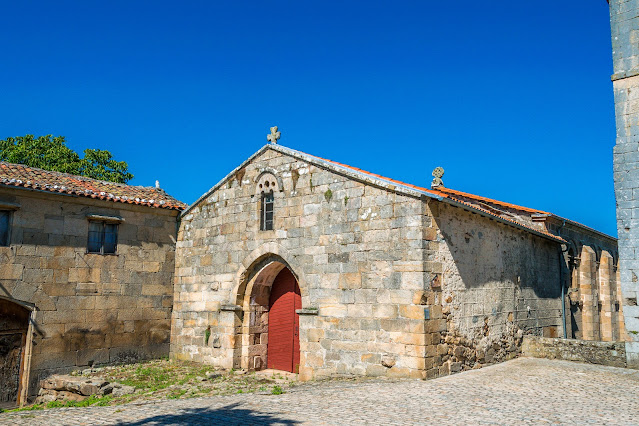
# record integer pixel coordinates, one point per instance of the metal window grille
(267, 211)
(103, 237)
(5, 220)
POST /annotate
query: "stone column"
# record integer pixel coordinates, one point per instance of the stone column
(624, 24)
(588, 293)
(606, 329)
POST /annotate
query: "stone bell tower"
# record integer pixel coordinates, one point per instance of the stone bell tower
(624, 23)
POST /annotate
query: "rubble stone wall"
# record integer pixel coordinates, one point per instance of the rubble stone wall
(91, 309)
(498, 284)
(612, 354)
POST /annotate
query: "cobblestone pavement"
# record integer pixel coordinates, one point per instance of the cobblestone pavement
(524, 390)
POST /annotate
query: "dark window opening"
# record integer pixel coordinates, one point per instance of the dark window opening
(266, 222)
(103, 237)
(5, 221)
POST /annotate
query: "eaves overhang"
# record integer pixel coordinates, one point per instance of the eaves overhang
(500, 219)
(584, 227)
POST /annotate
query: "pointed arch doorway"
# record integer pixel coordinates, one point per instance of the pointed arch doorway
(283, 348)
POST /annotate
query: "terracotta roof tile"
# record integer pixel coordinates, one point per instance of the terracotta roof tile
(454, 192)
(18, 175)
(454, 195)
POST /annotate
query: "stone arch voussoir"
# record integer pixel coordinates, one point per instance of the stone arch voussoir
(258, 259)
(253, 282)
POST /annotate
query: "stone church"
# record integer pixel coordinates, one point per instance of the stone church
(291, 262)
(380, 277)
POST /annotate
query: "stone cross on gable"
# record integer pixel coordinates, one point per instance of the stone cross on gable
(274, 136)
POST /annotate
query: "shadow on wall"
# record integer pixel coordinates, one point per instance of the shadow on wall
(487, 254)
(229, 415)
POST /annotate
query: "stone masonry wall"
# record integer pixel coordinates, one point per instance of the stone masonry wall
(624, 22)
(362, 256)
(391, 284)
(498, 284)
(91, 309)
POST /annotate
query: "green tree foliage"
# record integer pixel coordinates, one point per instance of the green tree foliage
(51, 153)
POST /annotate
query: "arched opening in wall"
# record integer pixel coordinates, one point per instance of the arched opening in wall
(588, 293)
(270, 329)
(266, 186)
(14, 328)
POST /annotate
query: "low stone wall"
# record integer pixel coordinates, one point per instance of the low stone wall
(603, 353)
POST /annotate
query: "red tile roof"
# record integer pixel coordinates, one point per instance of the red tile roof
(453, 193)
(455, 196)
(18, 175)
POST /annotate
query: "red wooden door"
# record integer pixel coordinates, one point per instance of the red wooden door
(283, 351)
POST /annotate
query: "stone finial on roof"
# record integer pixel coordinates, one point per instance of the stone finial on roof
(157, 184)
(437, 174)
(274, 136)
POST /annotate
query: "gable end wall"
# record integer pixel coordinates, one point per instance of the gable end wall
(363, 256)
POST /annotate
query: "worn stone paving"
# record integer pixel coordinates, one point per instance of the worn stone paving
(524, 390)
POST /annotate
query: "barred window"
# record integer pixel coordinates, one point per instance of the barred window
(103, 237)
(5, 222)
(266, 223)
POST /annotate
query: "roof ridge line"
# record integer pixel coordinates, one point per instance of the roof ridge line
(15, 175)
(72, 175)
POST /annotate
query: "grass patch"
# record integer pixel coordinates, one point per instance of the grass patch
(92, 400)
(157, 376)
(29, 408)
(171, 379)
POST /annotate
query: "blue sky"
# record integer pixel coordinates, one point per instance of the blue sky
(513, 99)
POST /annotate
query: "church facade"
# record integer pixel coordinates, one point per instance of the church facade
(381, 277)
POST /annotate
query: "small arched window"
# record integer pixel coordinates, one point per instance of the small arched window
(266, 222)
(267, 185)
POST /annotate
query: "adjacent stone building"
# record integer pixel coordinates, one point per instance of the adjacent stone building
(364, 275)
(86, 274)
